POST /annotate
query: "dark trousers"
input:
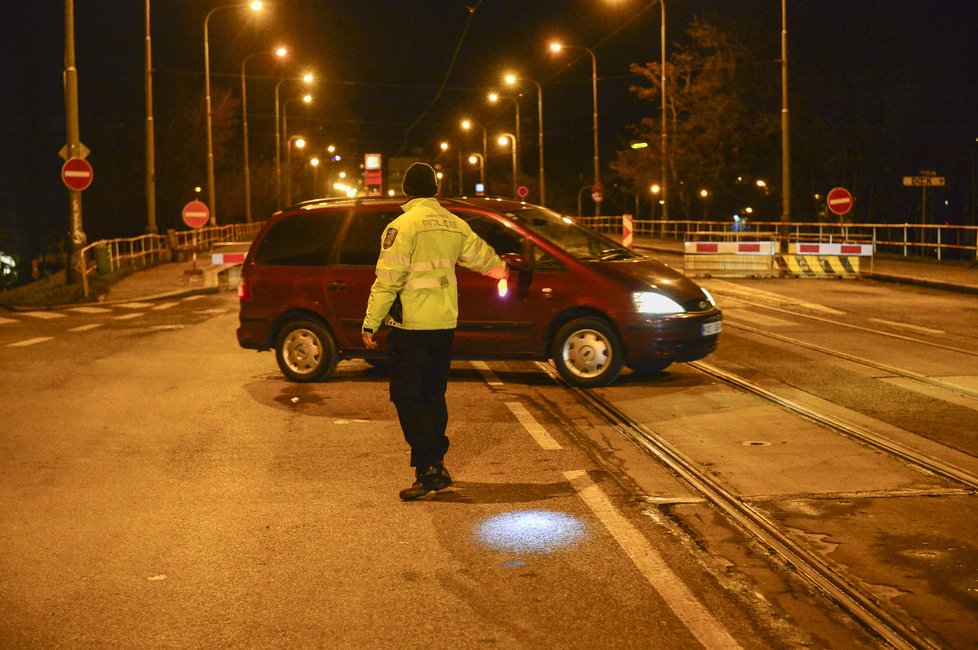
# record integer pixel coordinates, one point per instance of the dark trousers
(420, 360)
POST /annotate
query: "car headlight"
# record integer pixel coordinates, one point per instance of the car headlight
(709, 297)
(648, 302)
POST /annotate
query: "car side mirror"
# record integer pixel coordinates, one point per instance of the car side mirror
(515, 261)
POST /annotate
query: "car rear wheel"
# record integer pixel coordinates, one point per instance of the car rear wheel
(587, 352)
(305, 351)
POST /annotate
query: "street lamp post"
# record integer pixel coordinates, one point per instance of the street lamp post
(468, 124)
(556, 47)
(511, 80)
(150, 133)
(479, 158)
(300, 142)
(307, 78)
(785, 148)
(503, 137)
(495, 97)
(285, 133)
(279, 52)
(256, 5)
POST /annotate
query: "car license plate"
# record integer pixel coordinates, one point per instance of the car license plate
(709, 329)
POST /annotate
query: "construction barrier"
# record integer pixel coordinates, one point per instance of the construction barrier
(819, 260)
(730, 259)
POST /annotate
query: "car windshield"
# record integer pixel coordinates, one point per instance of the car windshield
(583, 243)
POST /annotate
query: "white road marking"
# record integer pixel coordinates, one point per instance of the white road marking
(165, 305)
(487, 373)
(533, 427)
(757, 295)
(191, 298)
(697, 619)
(26, 342)
(85, 328)
(906, 326)
(754, 317)
(4, 321)
(166, 327)
(128, 316)
(215, 310)
(43, 315)
(136, 305)
(90, 310)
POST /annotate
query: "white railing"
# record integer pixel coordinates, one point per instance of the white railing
(940, 242)
(108, 255)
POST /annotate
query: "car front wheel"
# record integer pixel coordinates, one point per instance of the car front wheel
(587, 353)
(305, 351)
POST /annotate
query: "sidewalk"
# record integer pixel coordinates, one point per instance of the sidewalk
(177, 278)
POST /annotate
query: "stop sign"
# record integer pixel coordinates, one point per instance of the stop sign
(839, 200)
(196, 214)
(76, 174)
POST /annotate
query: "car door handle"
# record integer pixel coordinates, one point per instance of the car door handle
(337, 286)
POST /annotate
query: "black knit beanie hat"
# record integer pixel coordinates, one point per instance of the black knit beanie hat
(419, 180)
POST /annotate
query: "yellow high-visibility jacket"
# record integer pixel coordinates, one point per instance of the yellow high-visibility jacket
(418, 254)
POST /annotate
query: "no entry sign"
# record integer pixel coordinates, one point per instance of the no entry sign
(76, 174)
(839, 200)
(196, 214)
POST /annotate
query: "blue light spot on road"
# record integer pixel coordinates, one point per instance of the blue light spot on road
(531, 531)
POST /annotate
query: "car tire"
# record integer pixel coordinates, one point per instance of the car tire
(587, 353)
(647, 368)
(305, 351)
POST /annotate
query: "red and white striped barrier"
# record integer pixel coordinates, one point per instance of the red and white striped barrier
(218, 259)
(818, 248)
(730, 248)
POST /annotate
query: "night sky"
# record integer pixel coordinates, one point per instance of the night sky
(396, 76)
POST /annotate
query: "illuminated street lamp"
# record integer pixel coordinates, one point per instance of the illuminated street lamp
(256, 5)
(307, 79)
(314, 163)
(656, 190)
(511, 80)
(556, 46)
(495, 97)
(468, 124)
(481, 160)
(307, 99)
(300, 142)
(503, 139)
(281, 53)
(445, 147)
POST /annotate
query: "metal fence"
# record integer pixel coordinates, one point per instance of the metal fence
(937, 242)
(108, 255)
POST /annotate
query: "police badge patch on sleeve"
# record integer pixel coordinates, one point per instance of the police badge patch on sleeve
(389, 237)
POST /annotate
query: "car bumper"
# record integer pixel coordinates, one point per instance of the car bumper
(676, 338)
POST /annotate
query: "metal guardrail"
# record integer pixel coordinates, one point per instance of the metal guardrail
(107, 255)
(930, 241)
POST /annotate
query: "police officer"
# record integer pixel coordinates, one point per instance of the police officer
(416, 270)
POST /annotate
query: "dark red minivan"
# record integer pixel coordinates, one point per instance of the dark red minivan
(574, 296)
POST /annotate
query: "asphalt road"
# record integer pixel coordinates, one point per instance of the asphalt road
(164, 488)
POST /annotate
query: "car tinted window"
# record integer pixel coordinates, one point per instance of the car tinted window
(502, 239)
(583, 243)
(360, 243)
(299, 240)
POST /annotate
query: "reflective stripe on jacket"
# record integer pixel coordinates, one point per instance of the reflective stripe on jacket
(419, 251)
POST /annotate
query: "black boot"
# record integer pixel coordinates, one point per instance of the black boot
(431, 479)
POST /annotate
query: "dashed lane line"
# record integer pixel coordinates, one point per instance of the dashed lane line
(43, 315)
(165, 305)
(136, 305)
(85, 328)
(906, 326)
(697, 619)
(129, 316)
(5, 321)
(26, 342)
(90, 310)
(487, 373)
(533, 427)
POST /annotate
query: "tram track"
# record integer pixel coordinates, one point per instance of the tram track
(835, 583)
